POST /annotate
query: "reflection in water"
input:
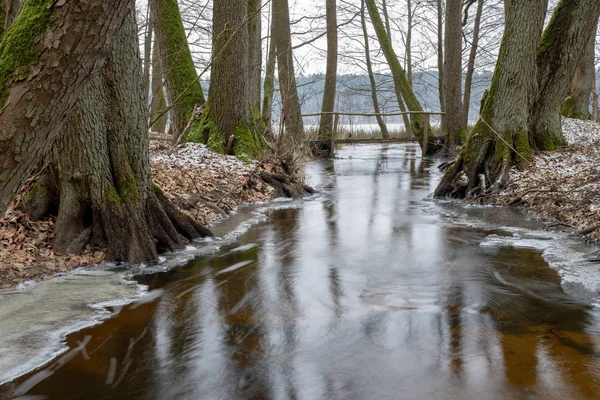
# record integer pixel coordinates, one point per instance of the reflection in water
(365, 293)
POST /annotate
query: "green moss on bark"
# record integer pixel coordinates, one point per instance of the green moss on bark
(18, 47)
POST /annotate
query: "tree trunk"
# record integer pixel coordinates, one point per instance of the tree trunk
(500, 139)
(440, 63)
(184, 90)
(225, 123)
(398, 90)
(453, 72)
(409, 19)
(147, 54)
(10, 11)
(400, 80)
(560, 50)
(326, 126)
(471, 64)
(380, 121)
(577, 104)
(269, 84)
(158, 104)
(34, 109)
(254, 58)
(107, 198)
(292, 113)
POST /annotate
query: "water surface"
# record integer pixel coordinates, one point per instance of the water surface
(370, 291)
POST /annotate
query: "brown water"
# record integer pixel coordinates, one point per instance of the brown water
(370, 291)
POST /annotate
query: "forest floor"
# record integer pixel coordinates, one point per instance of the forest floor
(204, 184)
(563, 187)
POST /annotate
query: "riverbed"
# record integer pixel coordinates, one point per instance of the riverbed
(370, 290)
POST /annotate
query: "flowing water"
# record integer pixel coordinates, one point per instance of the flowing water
(369, 291)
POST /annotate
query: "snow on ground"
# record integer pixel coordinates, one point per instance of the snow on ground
(563, 186)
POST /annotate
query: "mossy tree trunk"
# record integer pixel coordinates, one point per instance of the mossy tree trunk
(326, 125)
(184, 90)
(10, 10)
(577, 103)
(226, 122)
(560, 51)
(56, 72)
(400, 80)
(363, 20)
(500, 138)
(397, 88)
(107, 198)
(453, 72)
(292, 112)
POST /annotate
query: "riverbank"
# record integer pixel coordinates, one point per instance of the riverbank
(562, 187)
(206, 185)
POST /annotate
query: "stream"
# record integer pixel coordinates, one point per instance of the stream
(370, 290)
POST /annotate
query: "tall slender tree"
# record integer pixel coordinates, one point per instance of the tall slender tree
(372, 81)
(269, 83)
(326, 126)
(292, 113)
(184, 90)
(399, 75)
(453, 72)
(254, 58)
(471, 62)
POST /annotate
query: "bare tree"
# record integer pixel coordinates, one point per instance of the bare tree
(326, 126)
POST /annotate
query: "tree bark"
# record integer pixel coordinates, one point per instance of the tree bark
(380, 121)
(184, 90)
(560, 50)
(269, 84)
(453, 72)
(398, 90)
(326, 126)
(440, 63)
(292, 112)
(107, 198)
(400, 81)
(147, 54)
(471, 64)
(39, 90)
(500, 139)
(254, 58)
(225, 123)
(158, 105)
(577, 104)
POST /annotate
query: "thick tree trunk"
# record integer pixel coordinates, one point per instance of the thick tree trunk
(577, 104)
(269, 84)
(158, 104)
(184, 90)
(254, 58)
(453, 72)
(292, 113)
(107, 198)
(560, 50)
(440, 62)
(226, 120)
(326, 126)
(471, 64)
(500, 139)
(34, 109)
(400, 80)
(380, 121)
